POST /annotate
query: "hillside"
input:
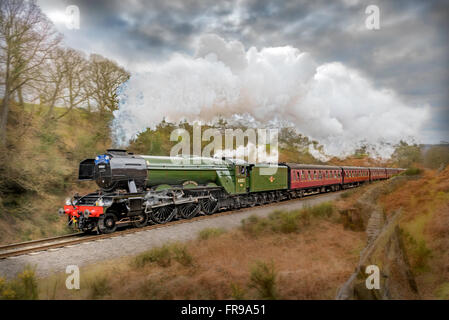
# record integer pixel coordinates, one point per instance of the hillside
(424, 204)
(39, 168)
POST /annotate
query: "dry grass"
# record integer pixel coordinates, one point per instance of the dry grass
(425, 224)
(310, 264)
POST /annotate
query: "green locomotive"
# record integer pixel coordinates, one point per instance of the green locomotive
(138, 189)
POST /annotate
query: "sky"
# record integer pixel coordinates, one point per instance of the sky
(313, 63)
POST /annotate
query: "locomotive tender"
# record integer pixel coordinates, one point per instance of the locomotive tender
(138, 189)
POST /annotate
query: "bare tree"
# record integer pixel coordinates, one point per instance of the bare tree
(75, 77)
(52, 80)
(62, 81)
(105, 77)
(26, 40)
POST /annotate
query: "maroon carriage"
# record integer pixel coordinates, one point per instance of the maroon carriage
(309, 178)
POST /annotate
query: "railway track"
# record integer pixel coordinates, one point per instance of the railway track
(22, 248)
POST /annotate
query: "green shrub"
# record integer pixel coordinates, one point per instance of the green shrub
(99, 287)
(286, 221)
(412, 171)
(254, 225)
(345, 195)
(208, 233)
(421, 254)
(182, 256)
(263, 279)
(23, 287)
(418, 251)
(436, 157)
(161, 256)
(237, 292)
(289, 222)
(322, 210)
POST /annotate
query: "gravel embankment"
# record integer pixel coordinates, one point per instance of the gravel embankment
(56, 260)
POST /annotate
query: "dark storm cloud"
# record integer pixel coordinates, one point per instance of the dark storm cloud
(410, 52)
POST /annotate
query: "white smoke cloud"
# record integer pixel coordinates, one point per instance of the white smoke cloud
(330, 103)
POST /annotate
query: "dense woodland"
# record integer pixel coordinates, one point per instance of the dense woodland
(56, 109)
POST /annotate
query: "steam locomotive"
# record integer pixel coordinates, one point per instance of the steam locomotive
(137, 189)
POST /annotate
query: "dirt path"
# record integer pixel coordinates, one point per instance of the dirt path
(56, 260)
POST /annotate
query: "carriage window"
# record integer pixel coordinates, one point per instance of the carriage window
(320, 175)
(297, 175)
